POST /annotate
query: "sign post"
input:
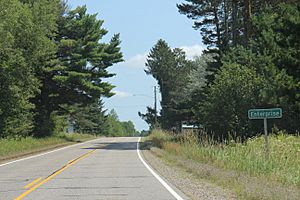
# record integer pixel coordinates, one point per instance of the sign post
(272, 113)
(266, 137)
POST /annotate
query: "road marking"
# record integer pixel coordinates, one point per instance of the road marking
(42, 154)
(55, 174)
(177, 196)
(32, 183)
(71, 160)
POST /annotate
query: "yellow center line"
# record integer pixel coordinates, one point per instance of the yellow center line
(54, 174)
(71, 161)
(32, 183)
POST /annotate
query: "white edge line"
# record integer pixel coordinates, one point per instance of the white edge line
(42, 154)
(156, 175)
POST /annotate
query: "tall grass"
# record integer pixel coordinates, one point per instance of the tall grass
(12, 147)
(283, 163)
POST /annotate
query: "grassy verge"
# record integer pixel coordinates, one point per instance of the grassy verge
(15, 148)
(281, 171)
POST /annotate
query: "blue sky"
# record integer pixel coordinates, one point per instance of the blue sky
(141, 24)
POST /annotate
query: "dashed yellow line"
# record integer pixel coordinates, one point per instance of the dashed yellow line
(72, 162)
(32, 183)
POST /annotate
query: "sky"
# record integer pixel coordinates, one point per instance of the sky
(141, 23)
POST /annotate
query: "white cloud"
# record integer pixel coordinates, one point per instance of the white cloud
(139, 60)
(192, 51)
(120, 94)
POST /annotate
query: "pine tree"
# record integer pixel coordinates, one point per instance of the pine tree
(169, 67)
(150, 118)
(83, 63)
(90, 118)
(214, 19)
(278, 41)
(42, 56)
(207, 16)
(84, 59)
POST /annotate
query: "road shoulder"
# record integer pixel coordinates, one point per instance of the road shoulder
(34, 152)
(40, 150)
(193, 187)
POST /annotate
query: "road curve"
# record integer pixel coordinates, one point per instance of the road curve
(106, 168)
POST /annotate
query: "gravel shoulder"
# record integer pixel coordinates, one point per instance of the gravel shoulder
(203, 181)
(193, 187)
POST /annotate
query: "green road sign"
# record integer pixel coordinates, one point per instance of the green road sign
(272, 113)
(265, 114)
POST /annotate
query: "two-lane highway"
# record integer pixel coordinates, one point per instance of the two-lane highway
(106, 168)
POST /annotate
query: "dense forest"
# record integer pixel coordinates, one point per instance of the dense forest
(252, 60)
(52, 69)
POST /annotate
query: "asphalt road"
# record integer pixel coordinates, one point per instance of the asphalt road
(106, 168)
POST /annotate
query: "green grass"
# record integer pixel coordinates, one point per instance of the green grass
(283, 164)
(15, 147)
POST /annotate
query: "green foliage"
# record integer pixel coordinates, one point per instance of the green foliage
(89, 119)
(197, 80)
(236, 89)
(210, 19)
(169, 67)
(17, 83)
(273, 53)
(60, 122)
(77, 77)
(128, 128)
(256, 66)
(194, 93)
(85, 60)
(52, 59)
(149, 117)
(117, 128)
(114, 125)
(278, 40)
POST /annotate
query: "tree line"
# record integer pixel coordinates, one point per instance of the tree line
(252, 60)
(52, 68)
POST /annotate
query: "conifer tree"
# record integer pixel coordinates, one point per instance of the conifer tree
(169, 67)
(82, 65)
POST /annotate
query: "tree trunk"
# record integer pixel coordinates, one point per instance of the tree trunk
(226, 38)
(247, 20)
(217, 23)
(234, 17)
(42, 120)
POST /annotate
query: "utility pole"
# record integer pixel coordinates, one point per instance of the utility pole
(155, 105)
